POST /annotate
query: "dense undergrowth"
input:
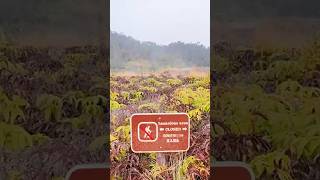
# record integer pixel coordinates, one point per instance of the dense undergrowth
(266, 110)
(158, 94)
(53, 108)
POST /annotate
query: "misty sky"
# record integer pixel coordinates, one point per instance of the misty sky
(162, 21)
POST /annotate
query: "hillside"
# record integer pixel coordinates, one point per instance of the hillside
(127, 53)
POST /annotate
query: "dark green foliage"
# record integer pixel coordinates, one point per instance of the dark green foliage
(48, 114)
(267, 112)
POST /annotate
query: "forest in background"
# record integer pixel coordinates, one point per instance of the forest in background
(128, 54)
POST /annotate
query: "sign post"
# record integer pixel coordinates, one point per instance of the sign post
(160, 132)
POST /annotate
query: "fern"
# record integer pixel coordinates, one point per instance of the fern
(12, 109)
(14, 138)
(203, 82)
(220, 65)
(156, 170)
(75, 59)
(72, 97)
(149, 107)
(187, 163)
(80, 122)
(114, 105)
(114, 96)
(153, 82)
(195, 114)
(125, 95)
(200, 98)
(39, 139)
(137, 96)
(93, 105)
(98, 143)
(122, 154)
(10, 67)
(51, 106)
(148, 89)
(174, 82)
(282, 70)
(272, 163)
(123, 133)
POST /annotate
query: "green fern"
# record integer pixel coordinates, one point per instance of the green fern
(39, 139)
(187, 163)
(174, 82)
(80, 122)
(123, 133)
(148, 89)
(10, 110)
(199, 99)
(149, 107)
(136, 96)
(14, 138)
(272, 163)
(93, 105)
(72, 97)
(10, 67)
(98, 143)
(51, 106)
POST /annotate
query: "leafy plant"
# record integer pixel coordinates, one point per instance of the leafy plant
(123, 133)
(75, 59)
(200, 98)
(98, 143)
(272, 164)
(80, 122)
(9, 67)
(114, 105)
(51, 106)
(221, 65)
(72, 97)
(153, 82)
(186, 164)
(93, 105)
(174, 82)
(137, 96)
(156, 170)
(149, 107)
(14, 138)
(39, 139)
(10, 110)
(148, 89)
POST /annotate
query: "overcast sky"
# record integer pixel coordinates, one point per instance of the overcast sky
(162, 21)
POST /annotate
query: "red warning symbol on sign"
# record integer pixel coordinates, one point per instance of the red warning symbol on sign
(160, 132)
(147, 131)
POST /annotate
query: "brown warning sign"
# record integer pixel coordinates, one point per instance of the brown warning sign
(160, 132)
(89, 171)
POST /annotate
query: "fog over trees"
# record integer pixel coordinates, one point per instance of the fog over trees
(125, 52)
